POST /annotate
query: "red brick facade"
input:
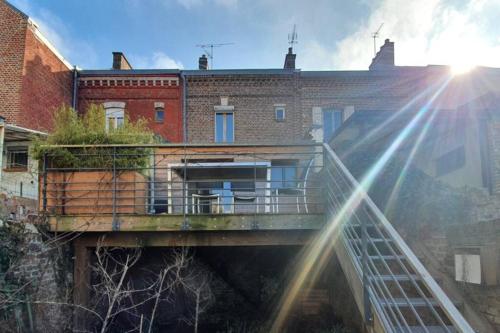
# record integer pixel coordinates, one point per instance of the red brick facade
(34, 80)
(139, 92)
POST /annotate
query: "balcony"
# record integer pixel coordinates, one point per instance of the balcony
(182, 187)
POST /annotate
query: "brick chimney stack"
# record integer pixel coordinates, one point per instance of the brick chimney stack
(290, 59)
(384, 59)
(120, 62)
(203, 62)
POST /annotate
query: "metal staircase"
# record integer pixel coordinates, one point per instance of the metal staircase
(392, 289)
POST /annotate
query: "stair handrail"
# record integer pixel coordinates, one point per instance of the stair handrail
(456, 318)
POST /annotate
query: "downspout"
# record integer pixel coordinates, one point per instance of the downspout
(184, 107)
(75, 88)
(2, 138)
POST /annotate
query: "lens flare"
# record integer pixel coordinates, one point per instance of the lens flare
(313, 259)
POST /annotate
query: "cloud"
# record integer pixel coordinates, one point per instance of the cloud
(425, 32)
(156, 60)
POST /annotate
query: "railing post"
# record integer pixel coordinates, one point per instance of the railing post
(115, 222)
(185, 223)
(255, 223)
(44, 194)
(366, 277)
(152, 209)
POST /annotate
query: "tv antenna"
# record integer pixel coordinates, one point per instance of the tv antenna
(209, 51)
(375, 36)
(293, 38)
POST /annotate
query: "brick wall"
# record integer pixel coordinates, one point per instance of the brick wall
(140, 103)
(13, 26)
(33, 79)
(254, 98)
(47, 83)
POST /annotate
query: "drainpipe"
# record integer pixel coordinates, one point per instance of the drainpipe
(184, 107)
(2, 136)
(75, 88)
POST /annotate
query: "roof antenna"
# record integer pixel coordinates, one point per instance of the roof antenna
(209, 51)
(293, 38)
(375, 36)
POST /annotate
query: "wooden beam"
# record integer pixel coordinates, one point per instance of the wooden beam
(212, 238)
(81, 284)
(139, 223)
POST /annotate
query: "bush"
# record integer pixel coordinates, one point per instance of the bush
(90, 129)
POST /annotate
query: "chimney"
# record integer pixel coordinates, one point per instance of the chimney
(384, 59)
(120, 62)
(203, 62)
(290, 59)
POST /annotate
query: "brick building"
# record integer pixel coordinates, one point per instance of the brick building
(34, 78)
(154, 95)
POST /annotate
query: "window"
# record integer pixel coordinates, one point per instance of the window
(115, 114)
(279, 113)
(284, 174)
(17, 158)
(224, 127)
(332, 119)
(159, 114)
(450, 161)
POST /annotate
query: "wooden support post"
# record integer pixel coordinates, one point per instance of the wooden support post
(81, 285)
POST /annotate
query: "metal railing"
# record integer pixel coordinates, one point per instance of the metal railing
(182, 180)
(397, 289)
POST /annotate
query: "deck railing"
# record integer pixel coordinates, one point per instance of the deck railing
(181, 179)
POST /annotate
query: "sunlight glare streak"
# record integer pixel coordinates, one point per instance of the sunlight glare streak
(315, 256)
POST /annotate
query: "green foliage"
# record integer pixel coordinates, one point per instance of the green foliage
(90, 129)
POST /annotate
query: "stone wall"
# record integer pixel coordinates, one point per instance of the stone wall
(444, 243)
(43, 275)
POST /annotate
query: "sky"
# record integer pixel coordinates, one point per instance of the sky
(332, 34)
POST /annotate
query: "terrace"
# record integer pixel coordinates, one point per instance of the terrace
(182, 187)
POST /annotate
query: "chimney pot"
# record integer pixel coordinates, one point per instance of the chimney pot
(120, 62)
(203, 62)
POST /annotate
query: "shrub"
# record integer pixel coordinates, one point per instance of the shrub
(90, 130)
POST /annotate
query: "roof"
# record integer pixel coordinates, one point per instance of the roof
(217, 72)
(17, 133)
(91, 72)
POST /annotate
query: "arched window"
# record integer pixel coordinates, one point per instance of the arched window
(115, 114)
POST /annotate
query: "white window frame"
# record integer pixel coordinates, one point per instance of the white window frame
(115, 111)
(224, 126)
(278, 108)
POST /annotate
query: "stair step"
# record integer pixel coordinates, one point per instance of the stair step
(386, 257)
(430, 329)
(374, 240)
(402, 277)
(402, 302)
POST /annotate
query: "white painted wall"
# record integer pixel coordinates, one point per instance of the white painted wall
(10, 181)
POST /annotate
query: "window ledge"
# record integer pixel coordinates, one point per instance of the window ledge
(15, 169)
